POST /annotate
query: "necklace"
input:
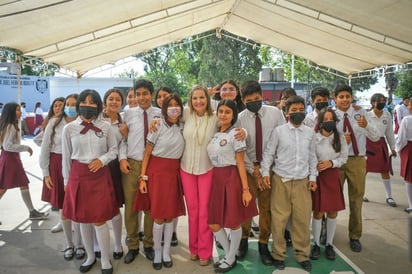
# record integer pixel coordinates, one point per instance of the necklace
(197, 125)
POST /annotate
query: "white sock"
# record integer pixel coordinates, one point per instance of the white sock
(388, 189)
(235, 237)
(316, 229)
(330, 228)
(117, 232)
(95, 242)
(167, 234)
(157, 242)
(103, 237)
(175, 221)
(67, 229)
(87, 236)
(25, 194)
(77, 234)
(408, 187)
(222, 238)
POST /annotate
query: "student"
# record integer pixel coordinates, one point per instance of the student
(131, 100)
(402, 111)
(12, 173)
(51, 165)
(24, 128)
(38, 118)
(291, 150)
(231, 202)
(377, 159)
(88, 146)
(284, 95)
(354, 124)
(228, 91)
(131, 154)
(269, 118)
(319, 99)
(160, 177)
(404, 146)
(332, 153)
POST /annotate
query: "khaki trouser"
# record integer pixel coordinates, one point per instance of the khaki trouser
(354, 171)
(291, 199)
(130, 184)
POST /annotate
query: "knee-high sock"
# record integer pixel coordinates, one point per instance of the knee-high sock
(388, 188)
(222, 238)
(76, 233)
(117, 232)
(157, 242)
(408, 187)
(87, 236)
(235, 237)
(330, 228)
(175, 221)
(167, 235)
(103, 237)
(316, 229)
(25, 194)
(67, 229)
(96, 246)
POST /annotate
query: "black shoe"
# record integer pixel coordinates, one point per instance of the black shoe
(86, 268)
(118, 255)
(68, 253)
(168, 264)
(288, 238)
(140, 235)
(330, 253)
(306, 265)
(157, 266)
(224, 267)
(108, 270)
(243, 248)
(131, 255)
(149, 252)
(315, 252)
(355, 245)
(391, 202)
(255, 229)
(407, 209)
(265, 256)
(279, 264)
(174, 241)
(98, 254)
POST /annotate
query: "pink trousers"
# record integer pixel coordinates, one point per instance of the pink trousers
(196, 190)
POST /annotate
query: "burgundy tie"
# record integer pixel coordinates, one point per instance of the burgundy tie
(316, 127)
(258, 129)
(348, 127)
(88, 126)
(146, 125)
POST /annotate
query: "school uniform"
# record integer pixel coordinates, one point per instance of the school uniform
(329, 194)
(51, 163)
(311, 120)
(225, 204)
(12, 173)
(83, 203)
(377, 154)
(292, 153)
(38, 118)
(404, 146)
(163, 170)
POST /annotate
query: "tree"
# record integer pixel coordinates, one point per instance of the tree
(404, 88)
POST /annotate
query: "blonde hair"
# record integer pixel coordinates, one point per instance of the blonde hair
(209, 110)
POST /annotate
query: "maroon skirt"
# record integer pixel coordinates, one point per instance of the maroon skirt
(117, 182)
(38, 120)
(329, 194)
(54, 196)
(12, 173)
(225, 205)
(164, 189)
(406, 162)
(89, 196)
(377, 153)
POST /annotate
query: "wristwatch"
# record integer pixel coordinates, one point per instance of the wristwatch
(144, 177)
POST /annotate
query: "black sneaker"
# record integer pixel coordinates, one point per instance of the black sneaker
(355, 245)
(35, 215)
(330, 253)
(279, 264)
(306, 265)
(315, 252)
(174, 241)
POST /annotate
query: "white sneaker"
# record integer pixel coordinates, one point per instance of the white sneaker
(57, 228)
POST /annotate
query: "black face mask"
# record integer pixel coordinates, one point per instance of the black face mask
(321, 105)
(329, 126)
(254, 106)
(87, 112)
(380, 106)
(297, 117)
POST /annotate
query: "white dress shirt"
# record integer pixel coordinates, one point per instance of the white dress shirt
(326, 152)
(11, 140)
(404, 133)
(384, 126)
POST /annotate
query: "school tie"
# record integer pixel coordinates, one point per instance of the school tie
(88, 126)
(348, 127)
(316, 127)
(258, 132)
(146, 125)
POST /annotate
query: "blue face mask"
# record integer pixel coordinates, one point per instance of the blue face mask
(70, 112)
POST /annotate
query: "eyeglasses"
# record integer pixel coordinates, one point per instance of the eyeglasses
(228, 89)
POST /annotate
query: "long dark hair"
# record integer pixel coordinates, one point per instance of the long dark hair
(107, 94)
(238, 99)
(8, 117)
(336, 144)
(232, 105)
(63, 115)
(51, 113)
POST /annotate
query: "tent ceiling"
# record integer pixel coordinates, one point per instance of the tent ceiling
(78, 35)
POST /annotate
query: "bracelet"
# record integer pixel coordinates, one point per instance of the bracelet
(144, 177)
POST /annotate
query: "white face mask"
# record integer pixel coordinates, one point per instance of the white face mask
(173, 112)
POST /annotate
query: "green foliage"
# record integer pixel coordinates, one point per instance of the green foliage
(404, 88)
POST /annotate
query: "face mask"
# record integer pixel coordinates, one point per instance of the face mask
(88, 112)
(173, 112)
(70, 112)
(329, 126)
(321, 105)
(254, 106)
(380, 106)
(297, 117)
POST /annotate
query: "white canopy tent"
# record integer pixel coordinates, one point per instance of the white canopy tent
(79, 35)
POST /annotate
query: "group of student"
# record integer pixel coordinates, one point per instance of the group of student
(224, 159)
